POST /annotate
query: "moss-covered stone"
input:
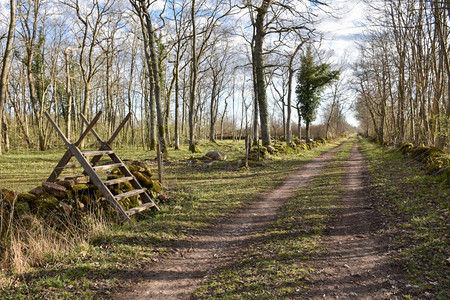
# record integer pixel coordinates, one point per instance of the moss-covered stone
(406, 147)
(125, 203)
(116, 172)
(143, 180)
(113, 176)
(77, 188)
(125, 186)
(7, 195)
(47, 204)
(270, 149)
(37, 191)
(420, 152)
(27, 197)
(147, 172)
(156, 186)
(133, 168)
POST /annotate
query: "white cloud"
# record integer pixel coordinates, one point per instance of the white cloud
(342, 29)
(342, 23)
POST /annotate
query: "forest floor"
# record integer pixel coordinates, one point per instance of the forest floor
(352, 261)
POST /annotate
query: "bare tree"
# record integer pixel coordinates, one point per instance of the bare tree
(6, 60)
(141, 8)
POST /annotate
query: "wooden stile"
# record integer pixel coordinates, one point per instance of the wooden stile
(90, 168)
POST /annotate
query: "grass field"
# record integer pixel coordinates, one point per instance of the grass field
(22, 171)
(100, 260)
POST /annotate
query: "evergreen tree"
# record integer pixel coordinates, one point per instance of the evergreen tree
(312, 78)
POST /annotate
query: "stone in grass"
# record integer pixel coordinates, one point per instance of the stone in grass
(216, 155)
(37, 191)
(26, 197)
(68, 183)
(55, 189)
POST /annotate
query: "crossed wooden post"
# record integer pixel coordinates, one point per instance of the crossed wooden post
(90, 167)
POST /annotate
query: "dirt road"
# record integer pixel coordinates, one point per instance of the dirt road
(355, 265)
(179, 275)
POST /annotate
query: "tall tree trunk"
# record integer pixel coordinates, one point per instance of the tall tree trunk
(152, 115)
(194, 74)
(7, 60)
(307, 137)
(177, 101)
(213, 112)
(260, 33)
(157, 87)
(222, 120)
(289, 108)
(5, 131)
(21, 123)
(289, 98)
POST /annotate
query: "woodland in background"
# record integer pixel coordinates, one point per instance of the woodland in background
(403, 74)
(209, 69)
(187, 70)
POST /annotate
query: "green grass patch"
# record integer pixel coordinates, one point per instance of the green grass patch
(276, 265)
(110, 256)
(417, 206)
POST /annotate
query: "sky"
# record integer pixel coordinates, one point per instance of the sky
(343, 28)
(341, 32)
(341, 23)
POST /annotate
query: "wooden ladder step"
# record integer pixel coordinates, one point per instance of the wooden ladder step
(118, 180)
(129, 194)
(74, 176)
(108, 167)
(70, 166)
(97, 152)
(140, 208)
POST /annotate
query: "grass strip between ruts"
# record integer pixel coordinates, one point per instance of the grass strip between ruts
(275, 265)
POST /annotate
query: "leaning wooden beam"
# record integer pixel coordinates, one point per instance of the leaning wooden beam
(114, 135)
(60, 166)
(83, 118)
(88, 129)
(66, 157)
(63, 137)
(106, 145)
(95, 179)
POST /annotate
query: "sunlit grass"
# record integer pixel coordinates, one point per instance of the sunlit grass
(417, 206)
(199, 194)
